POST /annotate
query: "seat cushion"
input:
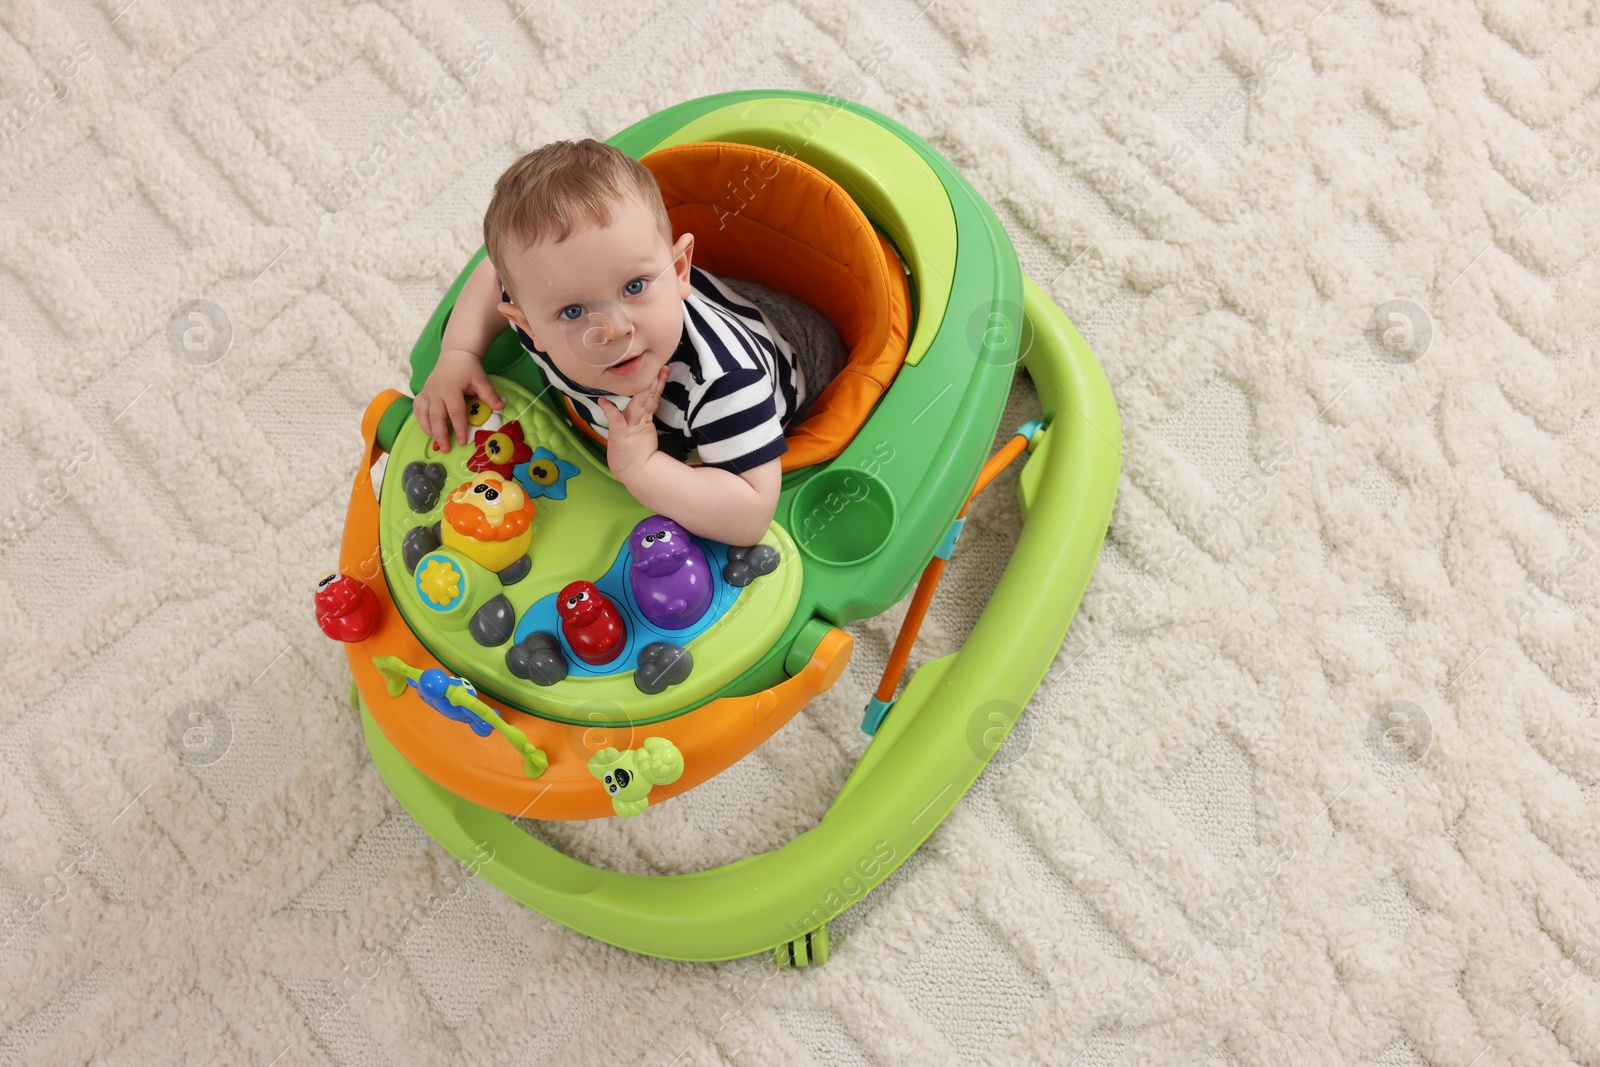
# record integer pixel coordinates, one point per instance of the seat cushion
(760, 214)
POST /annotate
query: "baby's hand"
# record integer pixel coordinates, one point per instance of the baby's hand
(441, 404)
(631, 434)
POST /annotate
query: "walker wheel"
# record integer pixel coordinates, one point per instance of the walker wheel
(808, 951)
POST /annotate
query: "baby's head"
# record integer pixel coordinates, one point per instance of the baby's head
(579, 236)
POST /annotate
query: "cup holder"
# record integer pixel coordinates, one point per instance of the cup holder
(842, 516)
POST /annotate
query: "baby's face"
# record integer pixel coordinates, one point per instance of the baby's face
(606, 304)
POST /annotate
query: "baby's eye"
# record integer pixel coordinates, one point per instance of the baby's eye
(571, 307)
(640, 282)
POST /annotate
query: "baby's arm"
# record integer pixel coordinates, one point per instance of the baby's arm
(476, 320)
(474, 323)
(709, 502)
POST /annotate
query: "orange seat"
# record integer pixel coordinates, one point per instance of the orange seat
(770, 218)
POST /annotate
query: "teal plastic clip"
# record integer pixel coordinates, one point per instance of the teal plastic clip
(948, 545)
(876, 710)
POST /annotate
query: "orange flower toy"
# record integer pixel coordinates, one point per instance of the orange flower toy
(489, 520)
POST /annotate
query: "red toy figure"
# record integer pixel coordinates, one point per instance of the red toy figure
(590, 622)
(346, 609)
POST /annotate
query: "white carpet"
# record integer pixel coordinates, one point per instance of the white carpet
(1315, 779)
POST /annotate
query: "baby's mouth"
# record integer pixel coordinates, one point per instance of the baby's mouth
(627, 366)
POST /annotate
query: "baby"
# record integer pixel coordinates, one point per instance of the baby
(582, 264)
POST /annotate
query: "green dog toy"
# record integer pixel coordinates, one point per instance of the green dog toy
(629, 775)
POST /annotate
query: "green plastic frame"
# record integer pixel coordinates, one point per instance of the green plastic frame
(939, 734)
(926, 755)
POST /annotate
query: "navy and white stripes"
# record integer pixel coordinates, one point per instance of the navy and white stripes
(732, 382)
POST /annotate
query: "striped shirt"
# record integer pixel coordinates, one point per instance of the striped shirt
(732, 384)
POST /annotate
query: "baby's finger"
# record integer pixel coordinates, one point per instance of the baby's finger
(653, 396)
(458, 419)
(643, 408)
(615, 416)
(629, 415)
(429, 420)
(419, 408)
(484, 391)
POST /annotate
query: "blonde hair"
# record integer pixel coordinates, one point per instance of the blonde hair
(551, 190)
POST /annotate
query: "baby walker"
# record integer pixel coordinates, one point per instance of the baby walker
(526, 640)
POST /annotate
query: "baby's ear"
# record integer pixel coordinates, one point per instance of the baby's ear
(514, 315)
(682, 257)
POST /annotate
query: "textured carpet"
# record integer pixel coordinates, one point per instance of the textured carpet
(1312, 781)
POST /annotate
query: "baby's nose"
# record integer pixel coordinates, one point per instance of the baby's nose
(617, 325)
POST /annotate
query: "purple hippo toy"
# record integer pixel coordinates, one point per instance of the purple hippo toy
(670, 576)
